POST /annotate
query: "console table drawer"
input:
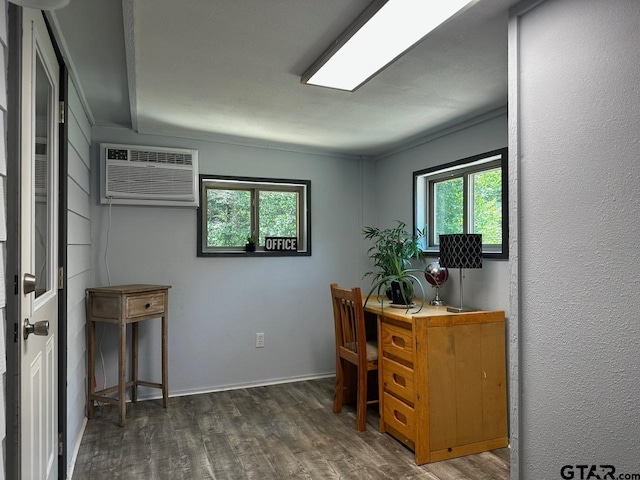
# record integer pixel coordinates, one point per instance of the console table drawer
(398, 380)
(139, 305)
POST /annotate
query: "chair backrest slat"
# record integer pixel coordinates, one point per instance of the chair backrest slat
(349, 319)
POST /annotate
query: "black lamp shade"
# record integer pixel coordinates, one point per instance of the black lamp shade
(461, 250)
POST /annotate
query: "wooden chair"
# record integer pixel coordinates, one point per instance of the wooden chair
(352, 347)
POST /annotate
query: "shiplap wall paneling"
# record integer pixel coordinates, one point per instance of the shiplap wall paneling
(78, 269)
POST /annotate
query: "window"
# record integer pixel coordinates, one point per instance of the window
(234, 208)
(466, 196)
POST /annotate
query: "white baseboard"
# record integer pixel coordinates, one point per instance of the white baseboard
(72, 464)
(238, 386)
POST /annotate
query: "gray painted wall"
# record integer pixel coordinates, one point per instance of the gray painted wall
(217, 305)
(78, 271)
(486, 288)
(578, 124)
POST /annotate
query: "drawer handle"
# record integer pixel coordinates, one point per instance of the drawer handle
(148, 305)
(398, 380)
(400, 417)
(398, 341)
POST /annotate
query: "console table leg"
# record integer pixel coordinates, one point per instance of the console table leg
(122, 365)
(165, 361)
(134, 362)
(92, 366)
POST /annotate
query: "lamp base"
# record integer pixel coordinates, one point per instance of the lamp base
(436, 303)
(462, 310)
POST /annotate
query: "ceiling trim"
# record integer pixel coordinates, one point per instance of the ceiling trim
(440, 131)
(71, 69)
(421, 139)
(249, 142)
(128, 22)
(523, 7)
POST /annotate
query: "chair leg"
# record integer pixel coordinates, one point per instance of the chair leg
(338, 396)
(361, 410)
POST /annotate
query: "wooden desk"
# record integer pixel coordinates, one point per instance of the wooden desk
(121, 305)
(442, 380)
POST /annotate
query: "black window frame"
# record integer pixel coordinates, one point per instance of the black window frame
(423, 194)
(256, 184)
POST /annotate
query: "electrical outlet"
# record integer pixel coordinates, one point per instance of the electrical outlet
(259, 340)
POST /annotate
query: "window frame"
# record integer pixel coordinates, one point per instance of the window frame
(423, 214)
(255, 185)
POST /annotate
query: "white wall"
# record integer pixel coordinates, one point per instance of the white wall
(579, 168)
(218, 304)
(487, 288)
(78, 269)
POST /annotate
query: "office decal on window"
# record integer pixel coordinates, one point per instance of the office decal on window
(281, 244)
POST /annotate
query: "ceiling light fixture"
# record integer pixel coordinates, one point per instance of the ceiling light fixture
(384, 31)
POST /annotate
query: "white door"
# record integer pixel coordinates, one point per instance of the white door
(39, 247)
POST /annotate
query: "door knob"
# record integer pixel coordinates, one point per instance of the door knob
(28, 283)
(39, 328)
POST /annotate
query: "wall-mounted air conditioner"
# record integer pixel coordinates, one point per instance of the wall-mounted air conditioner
(136, 175)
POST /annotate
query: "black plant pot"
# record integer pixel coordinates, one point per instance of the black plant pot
(250, 247)
(395, 293)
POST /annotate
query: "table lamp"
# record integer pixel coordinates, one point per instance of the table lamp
(461, 250)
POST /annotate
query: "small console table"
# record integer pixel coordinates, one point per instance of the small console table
(121, 305)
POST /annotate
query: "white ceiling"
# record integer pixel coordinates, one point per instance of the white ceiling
(229, 70)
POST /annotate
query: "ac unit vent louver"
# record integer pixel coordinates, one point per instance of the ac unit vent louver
(41, 176)
(41, 169)
(161, 157)
(149, 175)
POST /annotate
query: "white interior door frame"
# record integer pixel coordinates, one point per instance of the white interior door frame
(19, 308)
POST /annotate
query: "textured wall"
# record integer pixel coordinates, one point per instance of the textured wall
(579, 283)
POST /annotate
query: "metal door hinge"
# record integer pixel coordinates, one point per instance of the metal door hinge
(61, 114)
(60, 278)
(60, 444)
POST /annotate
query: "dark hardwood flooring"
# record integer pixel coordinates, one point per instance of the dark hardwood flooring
(286, 431)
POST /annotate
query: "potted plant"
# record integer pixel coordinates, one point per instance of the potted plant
(392, 252)
(251, 243)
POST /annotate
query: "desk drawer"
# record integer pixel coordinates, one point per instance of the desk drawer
(397, 341)
(400, 416)
(140, 305)
(398, 380)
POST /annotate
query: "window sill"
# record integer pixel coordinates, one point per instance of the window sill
(261, 253)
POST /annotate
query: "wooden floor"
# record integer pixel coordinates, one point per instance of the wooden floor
(286, 431)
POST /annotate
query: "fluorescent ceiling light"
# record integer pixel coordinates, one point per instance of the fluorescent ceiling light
(381, 34)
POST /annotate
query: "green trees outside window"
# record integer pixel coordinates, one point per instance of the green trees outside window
(448, 207)
(487, 205)
(278, 215)
(228, 217)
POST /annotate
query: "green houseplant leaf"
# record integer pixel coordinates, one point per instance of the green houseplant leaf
(392, 251)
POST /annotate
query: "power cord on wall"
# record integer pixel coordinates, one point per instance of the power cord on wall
(106, 246)
(104, 325)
